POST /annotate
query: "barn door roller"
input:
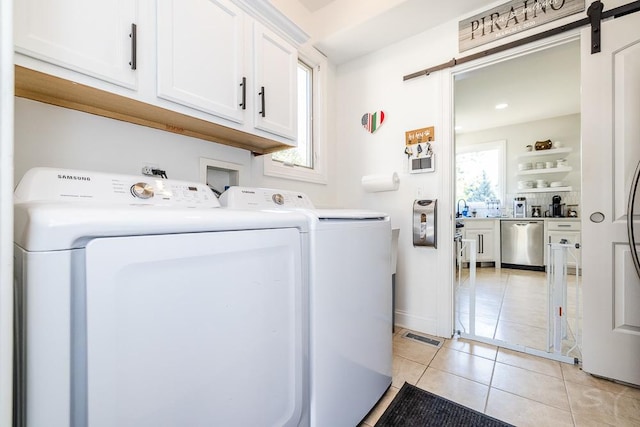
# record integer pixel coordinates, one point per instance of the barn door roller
(595, 17)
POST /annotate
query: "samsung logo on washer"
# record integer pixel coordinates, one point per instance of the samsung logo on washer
(511, 18)
(74, 177)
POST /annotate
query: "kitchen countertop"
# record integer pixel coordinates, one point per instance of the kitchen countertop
(524, 219)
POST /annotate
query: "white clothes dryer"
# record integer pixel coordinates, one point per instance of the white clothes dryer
(140, 302)
(350, 302)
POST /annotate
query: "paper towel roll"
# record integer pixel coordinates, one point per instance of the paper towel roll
(375, 183)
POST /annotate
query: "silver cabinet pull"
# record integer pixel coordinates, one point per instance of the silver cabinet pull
(262, 113)
(134, 46)
(244, 93)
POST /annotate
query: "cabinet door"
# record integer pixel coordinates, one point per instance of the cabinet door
(484, 245)
(93, 38)
(275, 66)
(572, 237)
(200, 55)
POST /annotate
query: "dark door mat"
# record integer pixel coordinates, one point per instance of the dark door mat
(413, 406)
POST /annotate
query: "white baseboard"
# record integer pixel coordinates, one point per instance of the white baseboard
(416, 323)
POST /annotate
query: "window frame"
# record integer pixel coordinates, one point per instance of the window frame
(501, 146)
(318, 172)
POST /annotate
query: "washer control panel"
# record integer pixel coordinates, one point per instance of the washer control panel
(264, 198)
(50, 184)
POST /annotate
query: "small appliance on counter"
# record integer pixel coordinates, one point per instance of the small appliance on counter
(572, 211)
(536, 211)
(556, 209)
(519, 207)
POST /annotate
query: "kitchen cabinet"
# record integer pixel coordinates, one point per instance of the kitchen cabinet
(569, 230)
(552, 154)
(76, 55)
(486, 234)
(200, 56)
(275, 70)
(207, 61)
(93, 38)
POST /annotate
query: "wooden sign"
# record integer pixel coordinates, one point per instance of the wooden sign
(511, 18)
(420, 135)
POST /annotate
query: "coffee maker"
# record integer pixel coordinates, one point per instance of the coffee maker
(556, 208)
(519, 207)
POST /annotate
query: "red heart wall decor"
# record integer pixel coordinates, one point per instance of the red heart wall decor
(372, 121)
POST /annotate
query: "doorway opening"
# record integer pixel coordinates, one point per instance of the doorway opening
(518, 196)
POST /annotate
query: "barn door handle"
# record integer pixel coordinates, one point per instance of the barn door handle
(630, 231)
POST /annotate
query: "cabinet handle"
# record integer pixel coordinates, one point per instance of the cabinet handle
(134, 46)
(564, 225)
(243, 85)
(262, 112)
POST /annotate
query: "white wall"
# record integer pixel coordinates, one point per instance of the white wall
(373, 83)
(565, 129)
(47, 135)
(51, 136)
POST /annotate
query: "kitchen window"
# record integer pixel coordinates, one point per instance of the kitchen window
(480, 174)
(306, 161)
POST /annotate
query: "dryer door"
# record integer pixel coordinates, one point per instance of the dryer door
(195, 330)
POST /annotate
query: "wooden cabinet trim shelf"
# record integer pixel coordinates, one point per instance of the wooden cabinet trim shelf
(53, 90)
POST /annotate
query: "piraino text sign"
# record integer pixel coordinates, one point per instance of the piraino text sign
(512, 18)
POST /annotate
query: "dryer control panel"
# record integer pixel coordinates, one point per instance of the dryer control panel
(52, 184)
(264, 198)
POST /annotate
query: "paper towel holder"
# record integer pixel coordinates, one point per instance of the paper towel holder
(378, 183)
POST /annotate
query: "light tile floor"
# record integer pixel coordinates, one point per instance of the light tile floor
(515, 387)
(511, 306)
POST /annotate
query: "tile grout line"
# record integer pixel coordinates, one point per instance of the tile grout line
(566, 390)
(493, 370)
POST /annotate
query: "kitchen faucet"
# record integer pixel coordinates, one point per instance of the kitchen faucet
(458, 214)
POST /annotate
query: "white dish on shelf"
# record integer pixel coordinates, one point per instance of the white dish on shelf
(525, 185)
(556, 184)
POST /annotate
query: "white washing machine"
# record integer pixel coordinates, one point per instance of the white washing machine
(350, 302)
(140, 302)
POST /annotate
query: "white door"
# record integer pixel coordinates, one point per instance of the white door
(610, 153)
(201, 56)
(276, 82)
(202, 329)
(93, 38)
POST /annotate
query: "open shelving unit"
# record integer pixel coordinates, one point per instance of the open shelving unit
(546, 153)
(552, 152)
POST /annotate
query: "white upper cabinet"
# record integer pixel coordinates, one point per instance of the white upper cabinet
(192, 67)
(201, 57)
(93, 38)
(275, 89)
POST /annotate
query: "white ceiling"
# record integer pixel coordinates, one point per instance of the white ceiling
(537, 86)
(313, 5)
(347, 29)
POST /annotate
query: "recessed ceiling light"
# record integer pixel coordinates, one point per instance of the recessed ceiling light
(501, 106)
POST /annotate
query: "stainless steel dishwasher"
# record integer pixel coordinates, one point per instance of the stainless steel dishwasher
(522, 244)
